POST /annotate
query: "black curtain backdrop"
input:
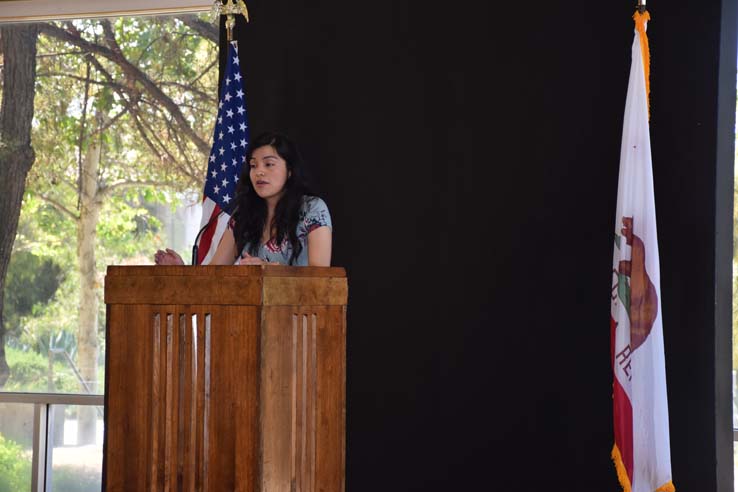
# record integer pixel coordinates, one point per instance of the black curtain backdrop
(469, 152)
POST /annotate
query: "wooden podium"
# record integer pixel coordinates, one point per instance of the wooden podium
(223, 378)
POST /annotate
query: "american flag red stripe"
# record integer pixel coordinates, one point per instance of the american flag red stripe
(206, 238)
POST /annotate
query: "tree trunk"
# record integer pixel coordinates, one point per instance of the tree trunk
(87, 346)
(18, 43)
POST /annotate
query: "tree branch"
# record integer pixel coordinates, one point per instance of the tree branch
(72, 37)
(158, 141)
(109, 36)
(207, 69)
(142, 131)
(81, 79)
(190, 88)
(72, 186)
(106, 191)
(204, 29)
(130, 106)
(146, 49)
(112, 120)
(63, 53)
(188, 165)
(59, 206)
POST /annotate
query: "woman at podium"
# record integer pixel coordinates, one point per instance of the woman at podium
(276, 220)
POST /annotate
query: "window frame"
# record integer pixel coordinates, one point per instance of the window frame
(43, 427)
(48, 10)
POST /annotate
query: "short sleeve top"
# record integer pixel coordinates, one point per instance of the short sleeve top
(313, 214)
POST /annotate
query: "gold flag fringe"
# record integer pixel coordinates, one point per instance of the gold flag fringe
(640, 23)
(667, 487)
(623, 474)
(620, 469)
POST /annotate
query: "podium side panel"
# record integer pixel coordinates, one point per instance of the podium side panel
(331, 399)
(303, 398)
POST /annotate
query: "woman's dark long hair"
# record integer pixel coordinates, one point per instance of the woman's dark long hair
(250, 214)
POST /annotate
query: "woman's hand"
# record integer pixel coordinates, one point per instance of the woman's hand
(168, 257)
(247, 259)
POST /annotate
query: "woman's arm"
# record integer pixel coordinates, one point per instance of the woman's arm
(319, 246)
(226, 252)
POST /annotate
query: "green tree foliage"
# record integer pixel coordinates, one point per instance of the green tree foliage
(29, 371)
(150, 98)
(15, 467)
(31, 282)
(142, 93)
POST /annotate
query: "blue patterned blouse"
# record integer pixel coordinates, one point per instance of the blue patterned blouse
(313, 214)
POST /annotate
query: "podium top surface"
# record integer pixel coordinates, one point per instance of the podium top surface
(226, 271)
(273, 285)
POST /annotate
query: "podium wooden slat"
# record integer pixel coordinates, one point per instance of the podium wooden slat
(225, 378)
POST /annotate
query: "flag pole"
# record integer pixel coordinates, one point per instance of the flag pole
(641, 6)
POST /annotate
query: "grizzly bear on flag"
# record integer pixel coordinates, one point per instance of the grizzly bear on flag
(644, 303)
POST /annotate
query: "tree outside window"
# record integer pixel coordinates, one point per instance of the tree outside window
(105, 129)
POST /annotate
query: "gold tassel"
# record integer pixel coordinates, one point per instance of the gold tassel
(667, 487)
(623, 474)
(620, 468)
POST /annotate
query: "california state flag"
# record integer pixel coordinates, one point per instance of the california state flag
(641, 451)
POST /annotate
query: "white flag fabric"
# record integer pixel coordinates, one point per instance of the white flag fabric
(641, 418)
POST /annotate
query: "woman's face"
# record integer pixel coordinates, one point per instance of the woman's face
(268, 173)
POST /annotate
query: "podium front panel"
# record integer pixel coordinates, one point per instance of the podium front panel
(178, 417)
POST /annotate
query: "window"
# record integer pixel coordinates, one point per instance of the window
(122, 122)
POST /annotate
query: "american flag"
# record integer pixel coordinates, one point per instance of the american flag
(230, 145)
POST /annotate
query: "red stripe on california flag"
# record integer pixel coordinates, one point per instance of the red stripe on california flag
(622, 413)
(206, 238)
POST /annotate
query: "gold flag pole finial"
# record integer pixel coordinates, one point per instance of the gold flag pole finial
(230, 9)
